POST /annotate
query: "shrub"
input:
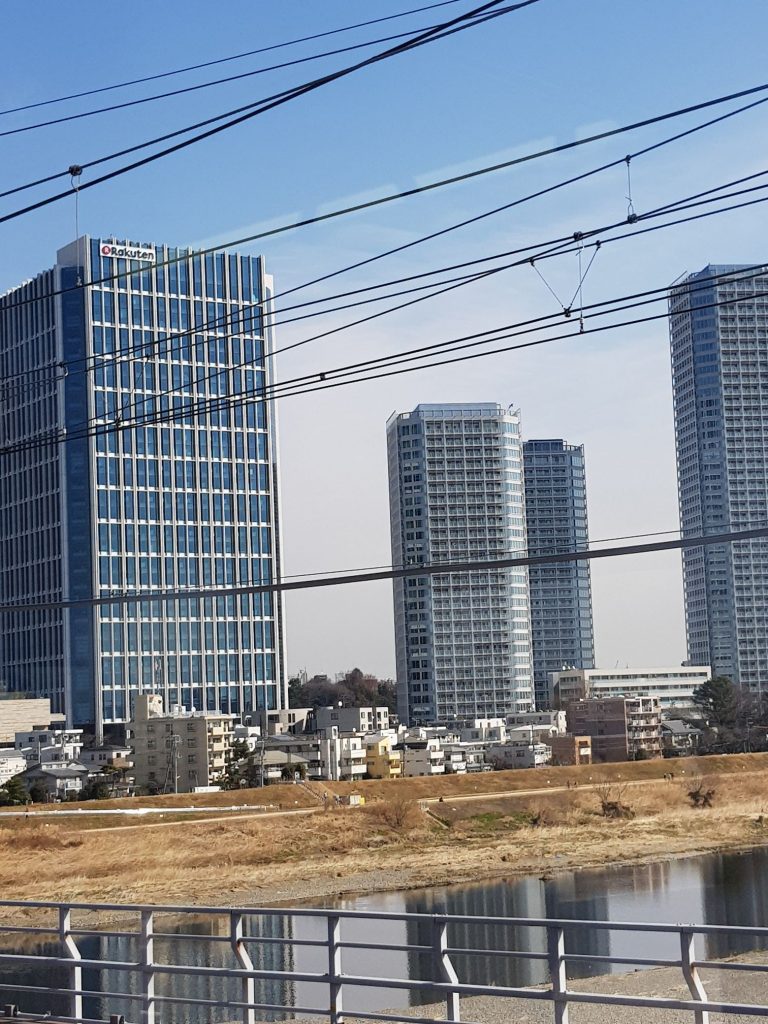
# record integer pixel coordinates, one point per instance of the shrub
(611, 797)
(400, 814)
(699, 792)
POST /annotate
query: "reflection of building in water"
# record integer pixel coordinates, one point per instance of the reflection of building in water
(735, 891)
(526, 897)
(27, 974)
(211, 949)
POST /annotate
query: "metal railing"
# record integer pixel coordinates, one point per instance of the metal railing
(46, 962)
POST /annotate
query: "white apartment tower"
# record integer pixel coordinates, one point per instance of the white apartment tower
(456, 492)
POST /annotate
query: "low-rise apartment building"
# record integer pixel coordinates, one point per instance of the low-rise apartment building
(422, 757)
(672, 687)
(519, 753)
(12, 762)
(178, 752)
(621, 729)
(382, 761)
(54, 745)
(360, 720)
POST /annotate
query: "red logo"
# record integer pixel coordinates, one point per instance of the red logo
(106, 250)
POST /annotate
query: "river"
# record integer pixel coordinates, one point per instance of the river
(727, 888)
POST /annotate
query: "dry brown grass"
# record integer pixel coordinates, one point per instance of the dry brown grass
(385, 844)
(399, 814)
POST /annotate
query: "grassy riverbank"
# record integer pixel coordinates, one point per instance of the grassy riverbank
(498, 824)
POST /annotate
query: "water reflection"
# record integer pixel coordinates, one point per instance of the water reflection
(720, 889)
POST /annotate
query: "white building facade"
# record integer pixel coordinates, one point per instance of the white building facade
(463, 639)
(672, 687)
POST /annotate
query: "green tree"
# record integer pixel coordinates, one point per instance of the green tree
(13, 793)
(719, 702)
(94, 789)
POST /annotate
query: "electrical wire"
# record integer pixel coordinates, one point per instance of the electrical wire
(472, 19)
(170, 345)
(225, 60)
(427, 569)
(345, 375)
(655, 146)
(408, 193)
(127, 104)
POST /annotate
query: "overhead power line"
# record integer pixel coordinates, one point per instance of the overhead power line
(478, 16)
(431, 186)
(225, 60)
(552, 248)
(429, 569)
(140, 101)
(377, 368)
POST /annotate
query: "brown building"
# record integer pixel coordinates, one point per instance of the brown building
(621, 728)
(570, 749)
(25, 714)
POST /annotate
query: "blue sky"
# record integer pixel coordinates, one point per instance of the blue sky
(544, 75)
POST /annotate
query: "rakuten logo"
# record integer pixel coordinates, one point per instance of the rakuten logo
(121, 252)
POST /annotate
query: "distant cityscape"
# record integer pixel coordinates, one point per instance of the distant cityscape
(495, 667)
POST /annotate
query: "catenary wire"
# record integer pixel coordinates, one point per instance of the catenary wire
(430, 186)
(169, 345)
(428, 569)
(225, 60)
(389, 565)
(461, 282)
(340, 376)
(127, 104)
(472, 19)
(655, 146)
(321, 375)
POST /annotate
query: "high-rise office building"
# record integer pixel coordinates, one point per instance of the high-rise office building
(719, 379)
(136, 455)
(561, 595)
(456, 494)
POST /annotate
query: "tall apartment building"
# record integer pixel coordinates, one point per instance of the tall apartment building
(136, 456)
(719, 379)
(456, 494)
(561, 595)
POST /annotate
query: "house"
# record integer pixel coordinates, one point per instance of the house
(59, 781)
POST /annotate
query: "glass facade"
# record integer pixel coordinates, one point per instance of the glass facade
(719, 379)
(561, 594)
(456, 494)
(177, 490)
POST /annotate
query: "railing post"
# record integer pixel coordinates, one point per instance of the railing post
(557, 972)
(691, 974)
(443, 968)
(147, 953)
(245, 963)
(334, 970)
(75, 971)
